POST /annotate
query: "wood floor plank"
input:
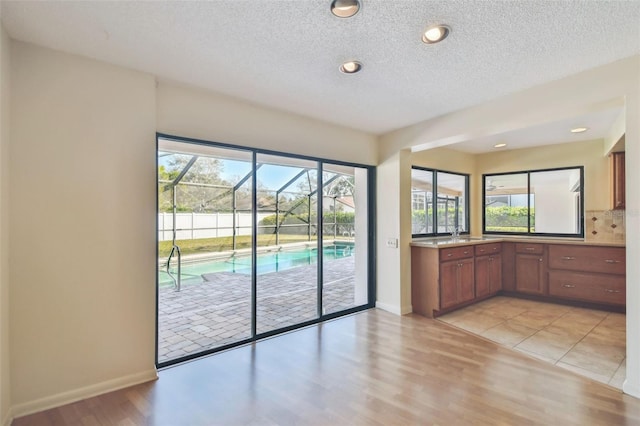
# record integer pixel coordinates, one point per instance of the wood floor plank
(371, 368)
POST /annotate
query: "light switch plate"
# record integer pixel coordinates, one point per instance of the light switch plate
(392, 242)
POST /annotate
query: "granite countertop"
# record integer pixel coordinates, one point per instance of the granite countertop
(441, 242)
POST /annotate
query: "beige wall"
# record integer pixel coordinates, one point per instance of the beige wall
(588, 154)
(83, 141)
(188, 112)
(82, 225)
(5, 400)
(582, 93)
(459, 162)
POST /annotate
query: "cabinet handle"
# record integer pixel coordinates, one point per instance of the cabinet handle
(466, 252)
(568, 258)
(611, 291)
(481, 250)
(450, 254)
(530, 248)
(611, 261)
(540, 260)
(495, 248)
(568, 286)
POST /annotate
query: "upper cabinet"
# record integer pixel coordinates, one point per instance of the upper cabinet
(617, 180)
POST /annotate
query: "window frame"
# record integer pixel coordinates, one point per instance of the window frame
(581, 213)
(434, 201)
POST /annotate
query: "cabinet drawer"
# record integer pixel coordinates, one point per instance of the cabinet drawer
(529, 248)
(608, 260)
(456, 253)
(609, 289)
(482, 249)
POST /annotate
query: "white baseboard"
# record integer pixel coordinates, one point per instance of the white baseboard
(8, 418)
(394, 309)
(631, 389)
(389, 308)
(82, 393)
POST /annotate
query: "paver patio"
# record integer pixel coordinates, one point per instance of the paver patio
(217, 309)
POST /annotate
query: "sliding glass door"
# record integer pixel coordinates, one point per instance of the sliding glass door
(205, 239)
(287, 242)
(251, 244)
(345, 253)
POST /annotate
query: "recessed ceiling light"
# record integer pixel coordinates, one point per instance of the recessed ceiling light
(351, 67)
(435, 34)
(579, 129)
(500, 145)
(345, 8)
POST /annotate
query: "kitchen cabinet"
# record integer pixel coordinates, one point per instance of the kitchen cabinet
(488, 269)
(456, 282)
(447, 278)
(617, 180)
(530, 269)
(588, 273)
(441, 279)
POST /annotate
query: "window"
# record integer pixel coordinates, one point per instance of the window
(537, 202)
(443, 211)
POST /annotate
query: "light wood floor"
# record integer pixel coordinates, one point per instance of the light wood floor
(371, 368)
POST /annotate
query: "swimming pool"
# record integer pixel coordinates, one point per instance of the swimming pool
(266, 262)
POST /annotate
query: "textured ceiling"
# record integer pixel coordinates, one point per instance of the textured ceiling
(286, 53)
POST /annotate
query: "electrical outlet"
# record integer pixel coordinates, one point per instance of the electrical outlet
(392, 242)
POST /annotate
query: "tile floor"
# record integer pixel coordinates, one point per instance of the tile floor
(585, 341)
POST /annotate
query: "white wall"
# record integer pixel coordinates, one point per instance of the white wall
(82, 284)
(5, 383)
(577, 94)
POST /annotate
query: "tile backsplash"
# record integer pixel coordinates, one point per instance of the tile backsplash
(605, 226)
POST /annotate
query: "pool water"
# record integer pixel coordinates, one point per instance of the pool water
(266, 263)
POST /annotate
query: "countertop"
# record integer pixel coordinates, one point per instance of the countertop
(441, 242)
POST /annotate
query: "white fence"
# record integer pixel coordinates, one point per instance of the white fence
(191, 226)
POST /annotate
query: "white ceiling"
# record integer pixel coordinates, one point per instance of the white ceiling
(285, 54)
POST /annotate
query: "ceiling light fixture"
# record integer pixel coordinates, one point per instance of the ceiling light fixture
(579, 129)
(345, 8)
(350, 67)
(500, 145)
(435, 34)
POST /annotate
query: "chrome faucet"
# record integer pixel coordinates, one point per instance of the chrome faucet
(455, 233)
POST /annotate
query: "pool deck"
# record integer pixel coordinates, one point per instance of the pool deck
(217, 310)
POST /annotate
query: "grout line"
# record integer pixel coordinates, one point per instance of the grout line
(538, 329)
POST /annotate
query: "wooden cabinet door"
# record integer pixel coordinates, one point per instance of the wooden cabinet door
(495, 273)
(529, 273)
(483, 277)
(617, 181)
(448, 283)
(488, 274)
(466, 280)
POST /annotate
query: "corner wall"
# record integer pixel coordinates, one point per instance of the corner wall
(82, 229)
(5, 373)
